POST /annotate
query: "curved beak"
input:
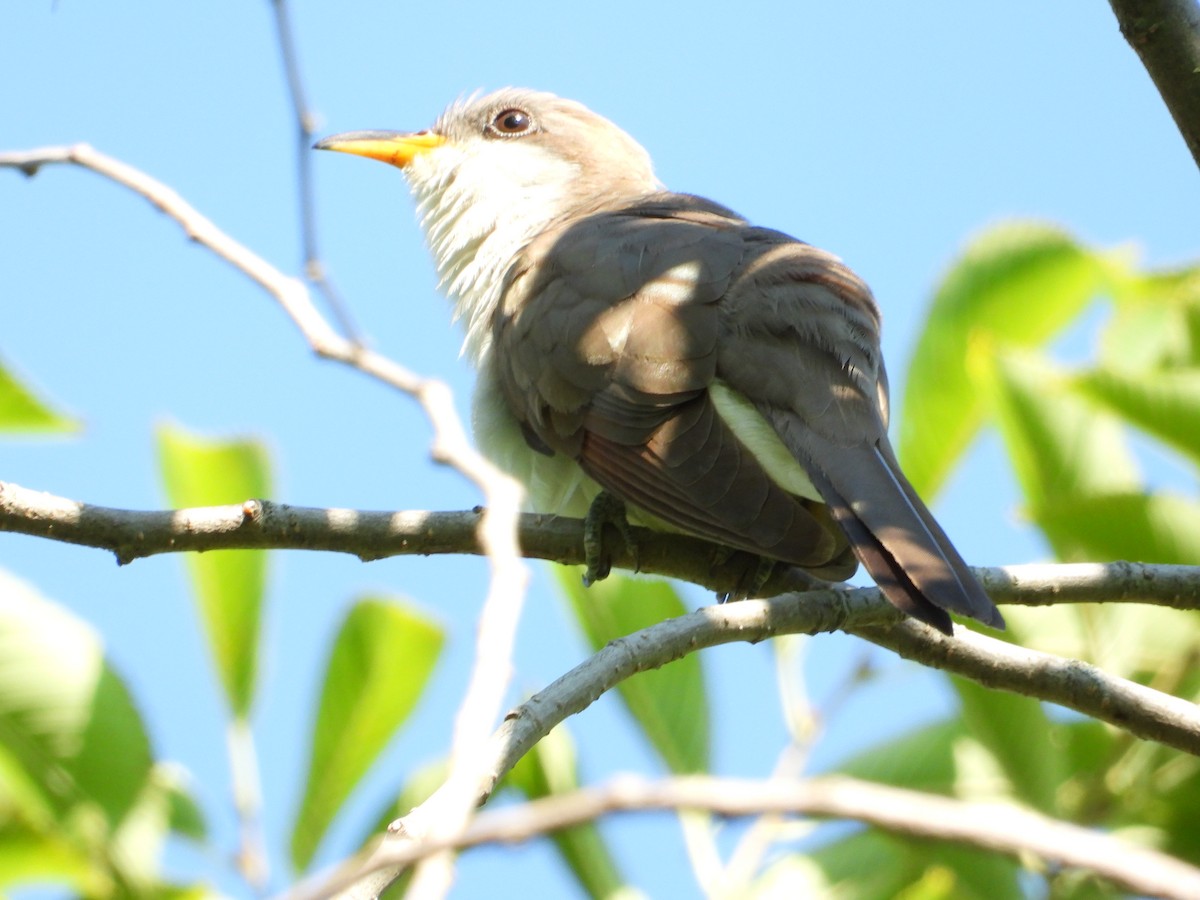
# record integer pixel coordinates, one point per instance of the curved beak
(396, 147)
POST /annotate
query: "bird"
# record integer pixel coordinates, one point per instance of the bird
(719, 378)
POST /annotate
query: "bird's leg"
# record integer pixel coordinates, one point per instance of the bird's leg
(606, 509)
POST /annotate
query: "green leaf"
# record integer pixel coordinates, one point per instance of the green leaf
(1017, 284)
(229, 584)
(185, 816)
(379, 664)
(75, 760)
(669, 704)
(1160, 528)
(1156, 322)
(893, 866)
(550, 768)
(1165, 404)
(922, 760)
(67, 722)
(21, 410)
(27, 856)
(914, 870)
(1060, 445)
(139, 842)
(1017, 733)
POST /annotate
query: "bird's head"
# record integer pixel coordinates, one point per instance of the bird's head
(495, 170)
(512, 156)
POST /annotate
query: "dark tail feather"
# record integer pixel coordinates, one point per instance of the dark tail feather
(896, 537)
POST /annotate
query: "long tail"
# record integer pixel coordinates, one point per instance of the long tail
(896, 537)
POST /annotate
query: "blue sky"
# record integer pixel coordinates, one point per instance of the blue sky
(886, 133)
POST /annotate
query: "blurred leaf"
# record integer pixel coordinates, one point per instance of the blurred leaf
(1164, 404)
(1017, 284)
(669, 704)
(22, 411)
(922, 760)
(974, 873)
(1174, 801)
(550, 768)
(184, 813)
(67, 721)
(1017, 733)
(1156, 321)
(380, 662)
(1060, 445)
(901, 868)
(1160, 528)
(75, 759)
(893, 866)
(163, 807)
(1129, 640)
(28, 857)
(228, 584)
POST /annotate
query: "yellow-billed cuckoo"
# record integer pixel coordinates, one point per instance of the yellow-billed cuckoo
(724, 378)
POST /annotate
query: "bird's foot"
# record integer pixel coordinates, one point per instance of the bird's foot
(606, 509)
(755, 574)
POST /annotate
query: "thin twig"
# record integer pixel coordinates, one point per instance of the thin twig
(314, 268)
(1000, 827)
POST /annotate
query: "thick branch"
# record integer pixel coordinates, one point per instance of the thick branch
(265, 525)
(999, 827)
(1166, 36)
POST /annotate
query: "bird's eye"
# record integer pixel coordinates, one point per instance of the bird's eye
(511, 122)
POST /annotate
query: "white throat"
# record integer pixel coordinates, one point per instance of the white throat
(479, 205)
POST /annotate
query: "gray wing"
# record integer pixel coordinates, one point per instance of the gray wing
(612, 335)
(802, 340)
(606, 341)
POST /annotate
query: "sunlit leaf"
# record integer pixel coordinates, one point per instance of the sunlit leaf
(75, 759)
(893, 865)
(669, 704)
(228, 584)
(901, 868)
(185, 816)
(67, 721)
(1059, 444)
(164, 806)
(1159, 528)
(1017, 733)
(22, 411)
(378, 667)
(550, 768)
(1017, 284)
(1156, 321)
(921, 760)
(1165, 404)
(28, 857)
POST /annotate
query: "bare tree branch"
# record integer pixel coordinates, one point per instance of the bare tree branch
(1166, 37)
(1000, 827)
(370, 535)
